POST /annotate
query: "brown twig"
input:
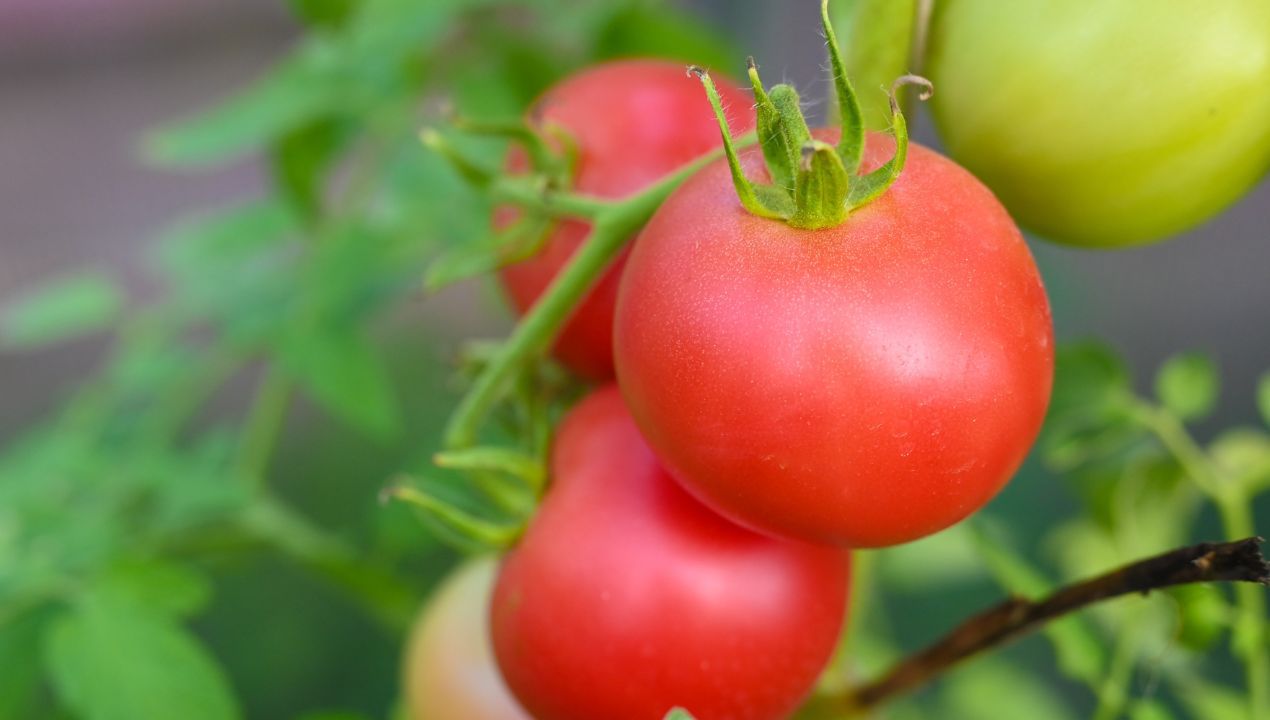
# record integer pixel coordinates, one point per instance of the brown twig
(1238, 561)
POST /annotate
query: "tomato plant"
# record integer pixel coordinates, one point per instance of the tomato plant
(1105, 124)
(626, 597)
(630, 123)
(449, 671)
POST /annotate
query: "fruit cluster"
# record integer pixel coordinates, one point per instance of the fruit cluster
(829, 339)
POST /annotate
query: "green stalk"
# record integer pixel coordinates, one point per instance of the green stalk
(614, 225)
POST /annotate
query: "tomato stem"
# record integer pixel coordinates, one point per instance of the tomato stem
(1238, 561)
(614, 225)
(814, 186)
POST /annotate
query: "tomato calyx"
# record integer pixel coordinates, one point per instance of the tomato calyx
(814, 184)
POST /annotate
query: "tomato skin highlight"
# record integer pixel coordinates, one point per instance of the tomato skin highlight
(627, 597)
(450, 673)
(863, 385)
(1105, 124)
(633, 122)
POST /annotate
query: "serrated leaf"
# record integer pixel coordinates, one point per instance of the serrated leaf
(113, 660)
(876, 38)
(343, 372)
(1263, 398)
(61, 310)
(1187, 386)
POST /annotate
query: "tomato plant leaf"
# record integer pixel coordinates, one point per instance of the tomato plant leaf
(299, 160)
(344, 373)
(61, 310)
(163, 587)
(1187, 385)
(110, 659)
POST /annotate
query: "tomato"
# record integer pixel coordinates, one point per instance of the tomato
(632, 122)
(450, 672)
(865, 384)
(1110, 123)
(626, 597)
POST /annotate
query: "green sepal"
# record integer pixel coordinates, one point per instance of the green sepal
(851, 142)
(823, 182)
(782, 131)
(824, 179)
(761, 200)
(869, 187)
(495, 459)
(458, 526)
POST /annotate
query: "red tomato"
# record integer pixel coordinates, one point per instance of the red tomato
(633, 122)
(626, 597)
(449, 671)
(862, 385)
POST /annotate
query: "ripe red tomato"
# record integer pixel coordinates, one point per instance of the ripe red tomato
(863, 385)
(450, 672)
(626, 597)
(633, 122)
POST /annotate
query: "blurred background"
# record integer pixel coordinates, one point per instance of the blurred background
(85, 185)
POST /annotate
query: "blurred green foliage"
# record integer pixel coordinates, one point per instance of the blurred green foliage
(166, 553)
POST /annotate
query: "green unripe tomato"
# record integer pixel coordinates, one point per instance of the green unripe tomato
(1108, 123)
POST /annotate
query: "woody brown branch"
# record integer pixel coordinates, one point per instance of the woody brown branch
(1237, 561)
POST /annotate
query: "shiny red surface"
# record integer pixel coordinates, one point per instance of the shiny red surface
(863, 385)
(627, 597)
(633, 122)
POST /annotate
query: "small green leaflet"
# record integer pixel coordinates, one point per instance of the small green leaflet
(345, 374)
(1187, 385)
(113, 659)
(62, 310)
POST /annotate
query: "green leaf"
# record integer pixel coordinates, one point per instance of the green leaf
(110, 659)
(162, 587)
(300, 159)
(1243, 454)
(297, 91)
(1187, 386)
(327, 14)
(1089, 378)
(876, 39)
(1263, 398)
(62, 310)
(679, 714)
(344, 373)
(333, 716)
